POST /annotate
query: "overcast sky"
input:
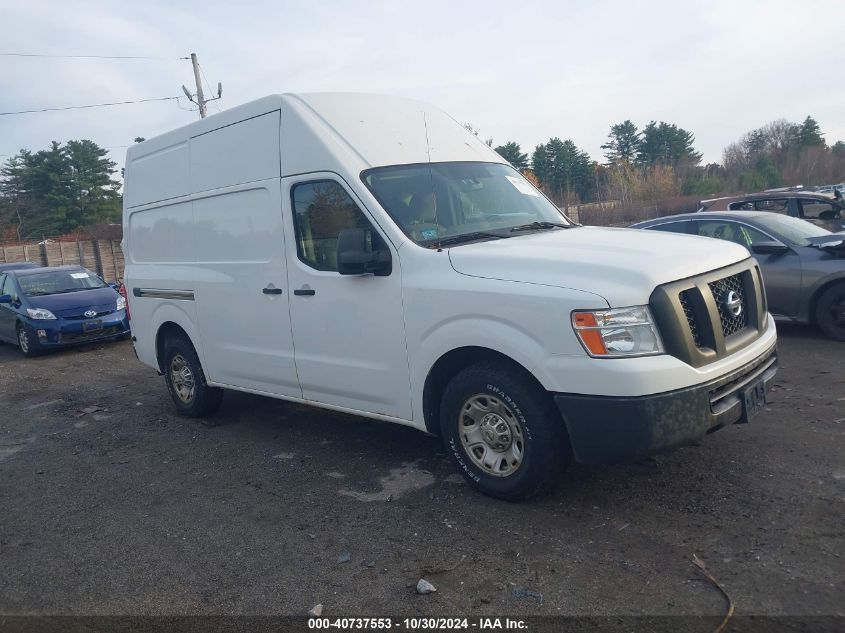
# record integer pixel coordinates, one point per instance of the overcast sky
(522, 71)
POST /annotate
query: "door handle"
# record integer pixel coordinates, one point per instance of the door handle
(304, 292)
(272, 291)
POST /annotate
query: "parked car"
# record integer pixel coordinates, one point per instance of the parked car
(368, 254)
(818, 208)
(18, 266)
(803, 264)
(46, 308)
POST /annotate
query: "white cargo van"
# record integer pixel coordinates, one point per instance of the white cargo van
(367, 254)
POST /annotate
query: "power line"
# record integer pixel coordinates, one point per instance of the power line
(93, 105)
(90, 56)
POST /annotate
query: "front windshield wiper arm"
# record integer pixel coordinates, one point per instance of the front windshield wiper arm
(468, 237)
(538, 226)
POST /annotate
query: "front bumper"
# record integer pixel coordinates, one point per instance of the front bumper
(606, 429)
(65, 332)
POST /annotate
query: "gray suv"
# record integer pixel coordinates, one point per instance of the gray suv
(818, 208)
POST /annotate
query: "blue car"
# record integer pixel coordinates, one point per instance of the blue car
(45, 308)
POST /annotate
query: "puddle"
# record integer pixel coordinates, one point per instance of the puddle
(407, 478)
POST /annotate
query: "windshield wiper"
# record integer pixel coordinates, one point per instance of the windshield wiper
(64, 290)
(538, 226)
(468, 237)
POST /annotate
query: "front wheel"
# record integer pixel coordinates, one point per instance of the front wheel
(503, 431)
(186, 381)
(27, 342)
(830, 312)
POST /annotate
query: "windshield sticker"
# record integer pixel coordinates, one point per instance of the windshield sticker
(429, 234)
(522, 186)
(79, 275)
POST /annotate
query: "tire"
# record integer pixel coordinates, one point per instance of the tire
(830, 312)
(490, 406)
(186, 381)
(27, 341)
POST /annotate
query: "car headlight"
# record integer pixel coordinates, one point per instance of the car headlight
(40, 313)
(121, 303)
(618, 332)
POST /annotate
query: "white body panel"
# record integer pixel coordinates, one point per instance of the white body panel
(207, 209)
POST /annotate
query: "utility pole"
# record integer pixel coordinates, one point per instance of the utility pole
(199, 98)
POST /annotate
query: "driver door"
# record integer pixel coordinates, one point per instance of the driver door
(348, 330)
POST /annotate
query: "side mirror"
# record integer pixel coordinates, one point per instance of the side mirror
(769, 248)
(114, 285)
(5, 298)
(353, 258)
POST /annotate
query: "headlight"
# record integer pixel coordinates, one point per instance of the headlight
(40, 313)
(121, 303)
(618, 332)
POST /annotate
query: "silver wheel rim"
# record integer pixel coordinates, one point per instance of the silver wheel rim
(491, 435)
(23, 340)
(182, 379)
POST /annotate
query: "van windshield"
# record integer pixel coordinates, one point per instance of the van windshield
(442, 202)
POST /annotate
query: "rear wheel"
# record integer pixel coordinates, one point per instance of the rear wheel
(186, 380)
(503, 431)
(27, 341)
(830, 312)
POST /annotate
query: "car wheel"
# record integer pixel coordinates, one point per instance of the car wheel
(186, 380)
(504, 432)
(27, 341)
(830, 312)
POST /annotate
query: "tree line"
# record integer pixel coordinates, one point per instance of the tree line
(659, 161)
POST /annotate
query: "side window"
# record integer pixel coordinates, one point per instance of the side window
(672, 227)
(7, 287)
(774, 206)
(817, 209)
(321, 210)
(731, 231)
(741, 206)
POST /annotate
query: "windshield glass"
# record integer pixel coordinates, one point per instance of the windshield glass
(791, 229)
(434, 201)
(58, 281)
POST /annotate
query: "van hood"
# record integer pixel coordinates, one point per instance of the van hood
(623, 266)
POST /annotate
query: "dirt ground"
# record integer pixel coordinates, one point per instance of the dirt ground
(112, 504)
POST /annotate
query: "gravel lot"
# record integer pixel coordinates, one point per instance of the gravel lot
(111, 504)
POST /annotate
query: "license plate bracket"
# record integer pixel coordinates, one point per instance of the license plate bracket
(753, 400)
(92, 326)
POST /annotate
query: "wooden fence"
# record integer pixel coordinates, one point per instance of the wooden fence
(102, 256)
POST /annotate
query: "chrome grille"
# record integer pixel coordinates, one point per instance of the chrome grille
(693, 326)
(731, 324)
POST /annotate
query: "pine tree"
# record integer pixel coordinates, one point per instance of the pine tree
(623, 142)
(512, 152)
(666, 144)
(810, 134)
